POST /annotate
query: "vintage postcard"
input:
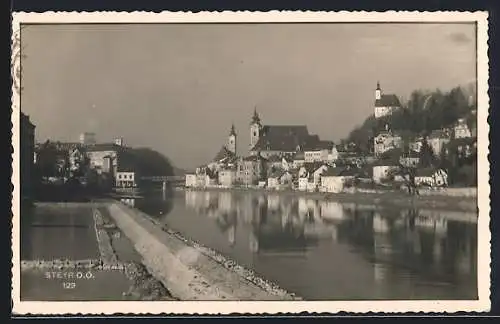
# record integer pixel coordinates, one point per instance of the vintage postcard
(253, 163)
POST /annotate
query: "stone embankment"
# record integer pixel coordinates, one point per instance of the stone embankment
(117, 274)
(189, 270)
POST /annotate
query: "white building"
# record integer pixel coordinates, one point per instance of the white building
(126, 179)
(461, 130)
(310, 176)
(335, 179)
(383, 170)
(191, 180)
(386, 141)
(227, 177)
(385, 104)
(437, 140)
(298, 160)
(431, 177)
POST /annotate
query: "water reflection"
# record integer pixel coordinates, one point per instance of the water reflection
(392, 253)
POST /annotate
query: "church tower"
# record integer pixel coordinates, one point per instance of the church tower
(231, 141)
(255, 128)
(378, 92)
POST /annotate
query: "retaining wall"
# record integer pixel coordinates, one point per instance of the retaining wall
(187, 272)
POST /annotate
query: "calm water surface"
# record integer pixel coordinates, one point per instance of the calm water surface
(327, 250)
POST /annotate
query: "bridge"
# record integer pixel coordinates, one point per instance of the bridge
(163, 178)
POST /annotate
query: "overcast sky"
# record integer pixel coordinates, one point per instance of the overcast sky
(178, 88)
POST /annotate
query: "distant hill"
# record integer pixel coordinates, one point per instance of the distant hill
(178, 171)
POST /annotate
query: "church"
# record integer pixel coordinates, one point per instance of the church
(385, 104)
(278, 140)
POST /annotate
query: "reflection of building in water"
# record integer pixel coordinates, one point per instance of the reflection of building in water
(245, 209)
(332, 210)
(319, 230)
(380, 224)
(438, 248)
(226, 202)
(286, 213)
(465, 259)
(382, 246)
(128, 201)
(303, 209)
(380, 272)
(416, 242)
(335, 232)
(254, 242)
(308, 209)
(231, 235)
(431, 220)
(273, 202)
(190, 198)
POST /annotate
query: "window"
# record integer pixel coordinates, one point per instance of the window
(254, 133)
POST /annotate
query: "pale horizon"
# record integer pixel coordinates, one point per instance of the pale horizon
(178, 88)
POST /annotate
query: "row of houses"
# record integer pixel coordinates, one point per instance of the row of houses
(317, 177)
(106, 159)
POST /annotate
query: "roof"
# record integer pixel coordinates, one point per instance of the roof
(439, 133)
(67, 146)
(223, 154)
(313, 166)
(462, 141)
(387, 100)
(314, 143)
(299, 156)
(425, 172)
(274, 158)
(278, 173)
(411, 154)
(253, 158)
(103, 147)
(25, 121)
(386, 162)
(341, 172)
(282, 138)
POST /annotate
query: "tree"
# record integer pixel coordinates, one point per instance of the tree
(48, 158)
(426, 157)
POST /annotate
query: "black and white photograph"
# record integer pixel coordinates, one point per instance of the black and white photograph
(199, 163)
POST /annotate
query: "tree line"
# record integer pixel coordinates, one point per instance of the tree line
(424, 112)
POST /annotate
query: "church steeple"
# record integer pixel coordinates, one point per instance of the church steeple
(231, 141)
(255, 117)
(255, 127)
(378, 92)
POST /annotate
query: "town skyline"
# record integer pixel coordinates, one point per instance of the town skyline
(118, 93)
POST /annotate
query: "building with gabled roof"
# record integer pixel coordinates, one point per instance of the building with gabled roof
(277, 139)
(385, 104)
(334, 179)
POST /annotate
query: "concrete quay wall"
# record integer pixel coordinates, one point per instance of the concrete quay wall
(188, 270)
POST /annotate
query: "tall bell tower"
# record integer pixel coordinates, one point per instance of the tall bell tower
(255, 128)
(378, 92)
(231, 140)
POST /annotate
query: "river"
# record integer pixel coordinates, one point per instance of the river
(323, 250)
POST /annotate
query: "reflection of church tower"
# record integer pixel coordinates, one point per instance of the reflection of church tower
(231, 140)
(255, 129)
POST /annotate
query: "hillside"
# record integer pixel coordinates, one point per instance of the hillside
(424, 112)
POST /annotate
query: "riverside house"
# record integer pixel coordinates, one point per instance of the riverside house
(310, 176)
(431, 177)
(335, 179)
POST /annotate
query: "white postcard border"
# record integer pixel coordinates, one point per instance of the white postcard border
(256, 307)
